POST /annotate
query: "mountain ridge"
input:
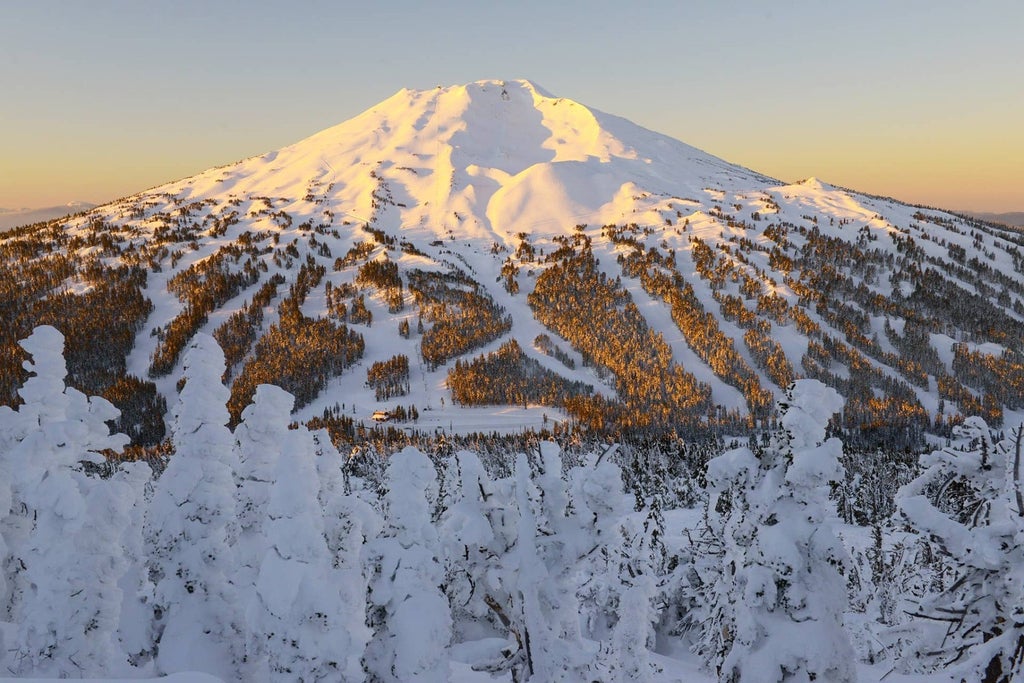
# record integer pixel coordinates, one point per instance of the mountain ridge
(12, 218)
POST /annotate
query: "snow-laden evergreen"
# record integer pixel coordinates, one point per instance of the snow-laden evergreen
(192, 527)
(471, 529)
(774, 588)
(600, 505)
(967, 507)
(349, 522)
(66, 598)
(620, 572)
(296, 618)
(136, 631)
(261, 439)
(408, 612)
(542, 560)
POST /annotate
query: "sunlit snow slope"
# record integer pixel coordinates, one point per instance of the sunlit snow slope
(487, 159)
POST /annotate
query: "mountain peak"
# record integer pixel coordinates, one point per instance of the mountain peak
(490, 159)
(815, 183)
(488, 83)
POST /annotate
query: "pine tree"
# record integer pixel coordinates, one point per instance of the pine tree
(600, 503)
(409, 613)
(774, 584)
(191, 526)
(10, 520)
(633, 634)
(296, 617)
(69, 546)
(620, 570)
(136, 633)
(261, 438)
(967, 505)
(472, 554)
(349, 522)
(545, 554)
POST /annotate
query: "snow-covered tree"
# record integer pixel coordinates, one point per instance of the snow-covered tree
(775, 588)
(600, 506)
(192, 524)
(296, 617)
(472, 556)
(21, 431)
(349, 522)
(66, 534)
(619, 571)
(409, 613)
(9, 421)
(261, 438)
(135, 632)
(968, 507)
(633, 634)
(547, 547)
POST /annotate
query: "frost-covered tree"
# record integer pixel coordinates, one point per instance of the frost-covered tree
(774, 586)
(633, 634)
(261, 438)
(472, 548)
(967, 505)
(619, 572)
(135, 630)
(192, 525)
(408, 612)
(66, 535)
(10, 521)
(547, 548)
(296, 617)
(21, 431)
(5, 555)
(600, 506)
(349, 522)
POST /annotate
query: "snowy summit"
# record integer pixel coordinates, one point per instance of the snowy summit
(484, 160)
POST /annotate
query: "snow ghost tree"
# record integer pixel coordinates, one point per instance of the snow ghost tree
(472, 556)
(619, 571)
(67, 542)
(296, 617)
(192, 525)
(348, 522)
(774, 584)
(409, 613)
(261, 438)
(45, 404)
(136, 624)
(548, 546)
(968, 507)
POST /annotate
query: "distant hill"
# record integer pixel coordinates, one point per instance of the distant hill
(13, 218)
(1014, 218)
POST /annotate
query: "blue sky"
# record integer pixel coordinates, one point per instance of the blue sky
(919, 100)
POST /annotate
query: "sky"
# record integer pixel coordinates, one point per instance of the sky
(914, 99)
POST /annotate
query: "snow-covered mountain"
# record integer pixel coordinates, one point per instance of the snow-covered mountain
(483, 161)
(647, 285)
